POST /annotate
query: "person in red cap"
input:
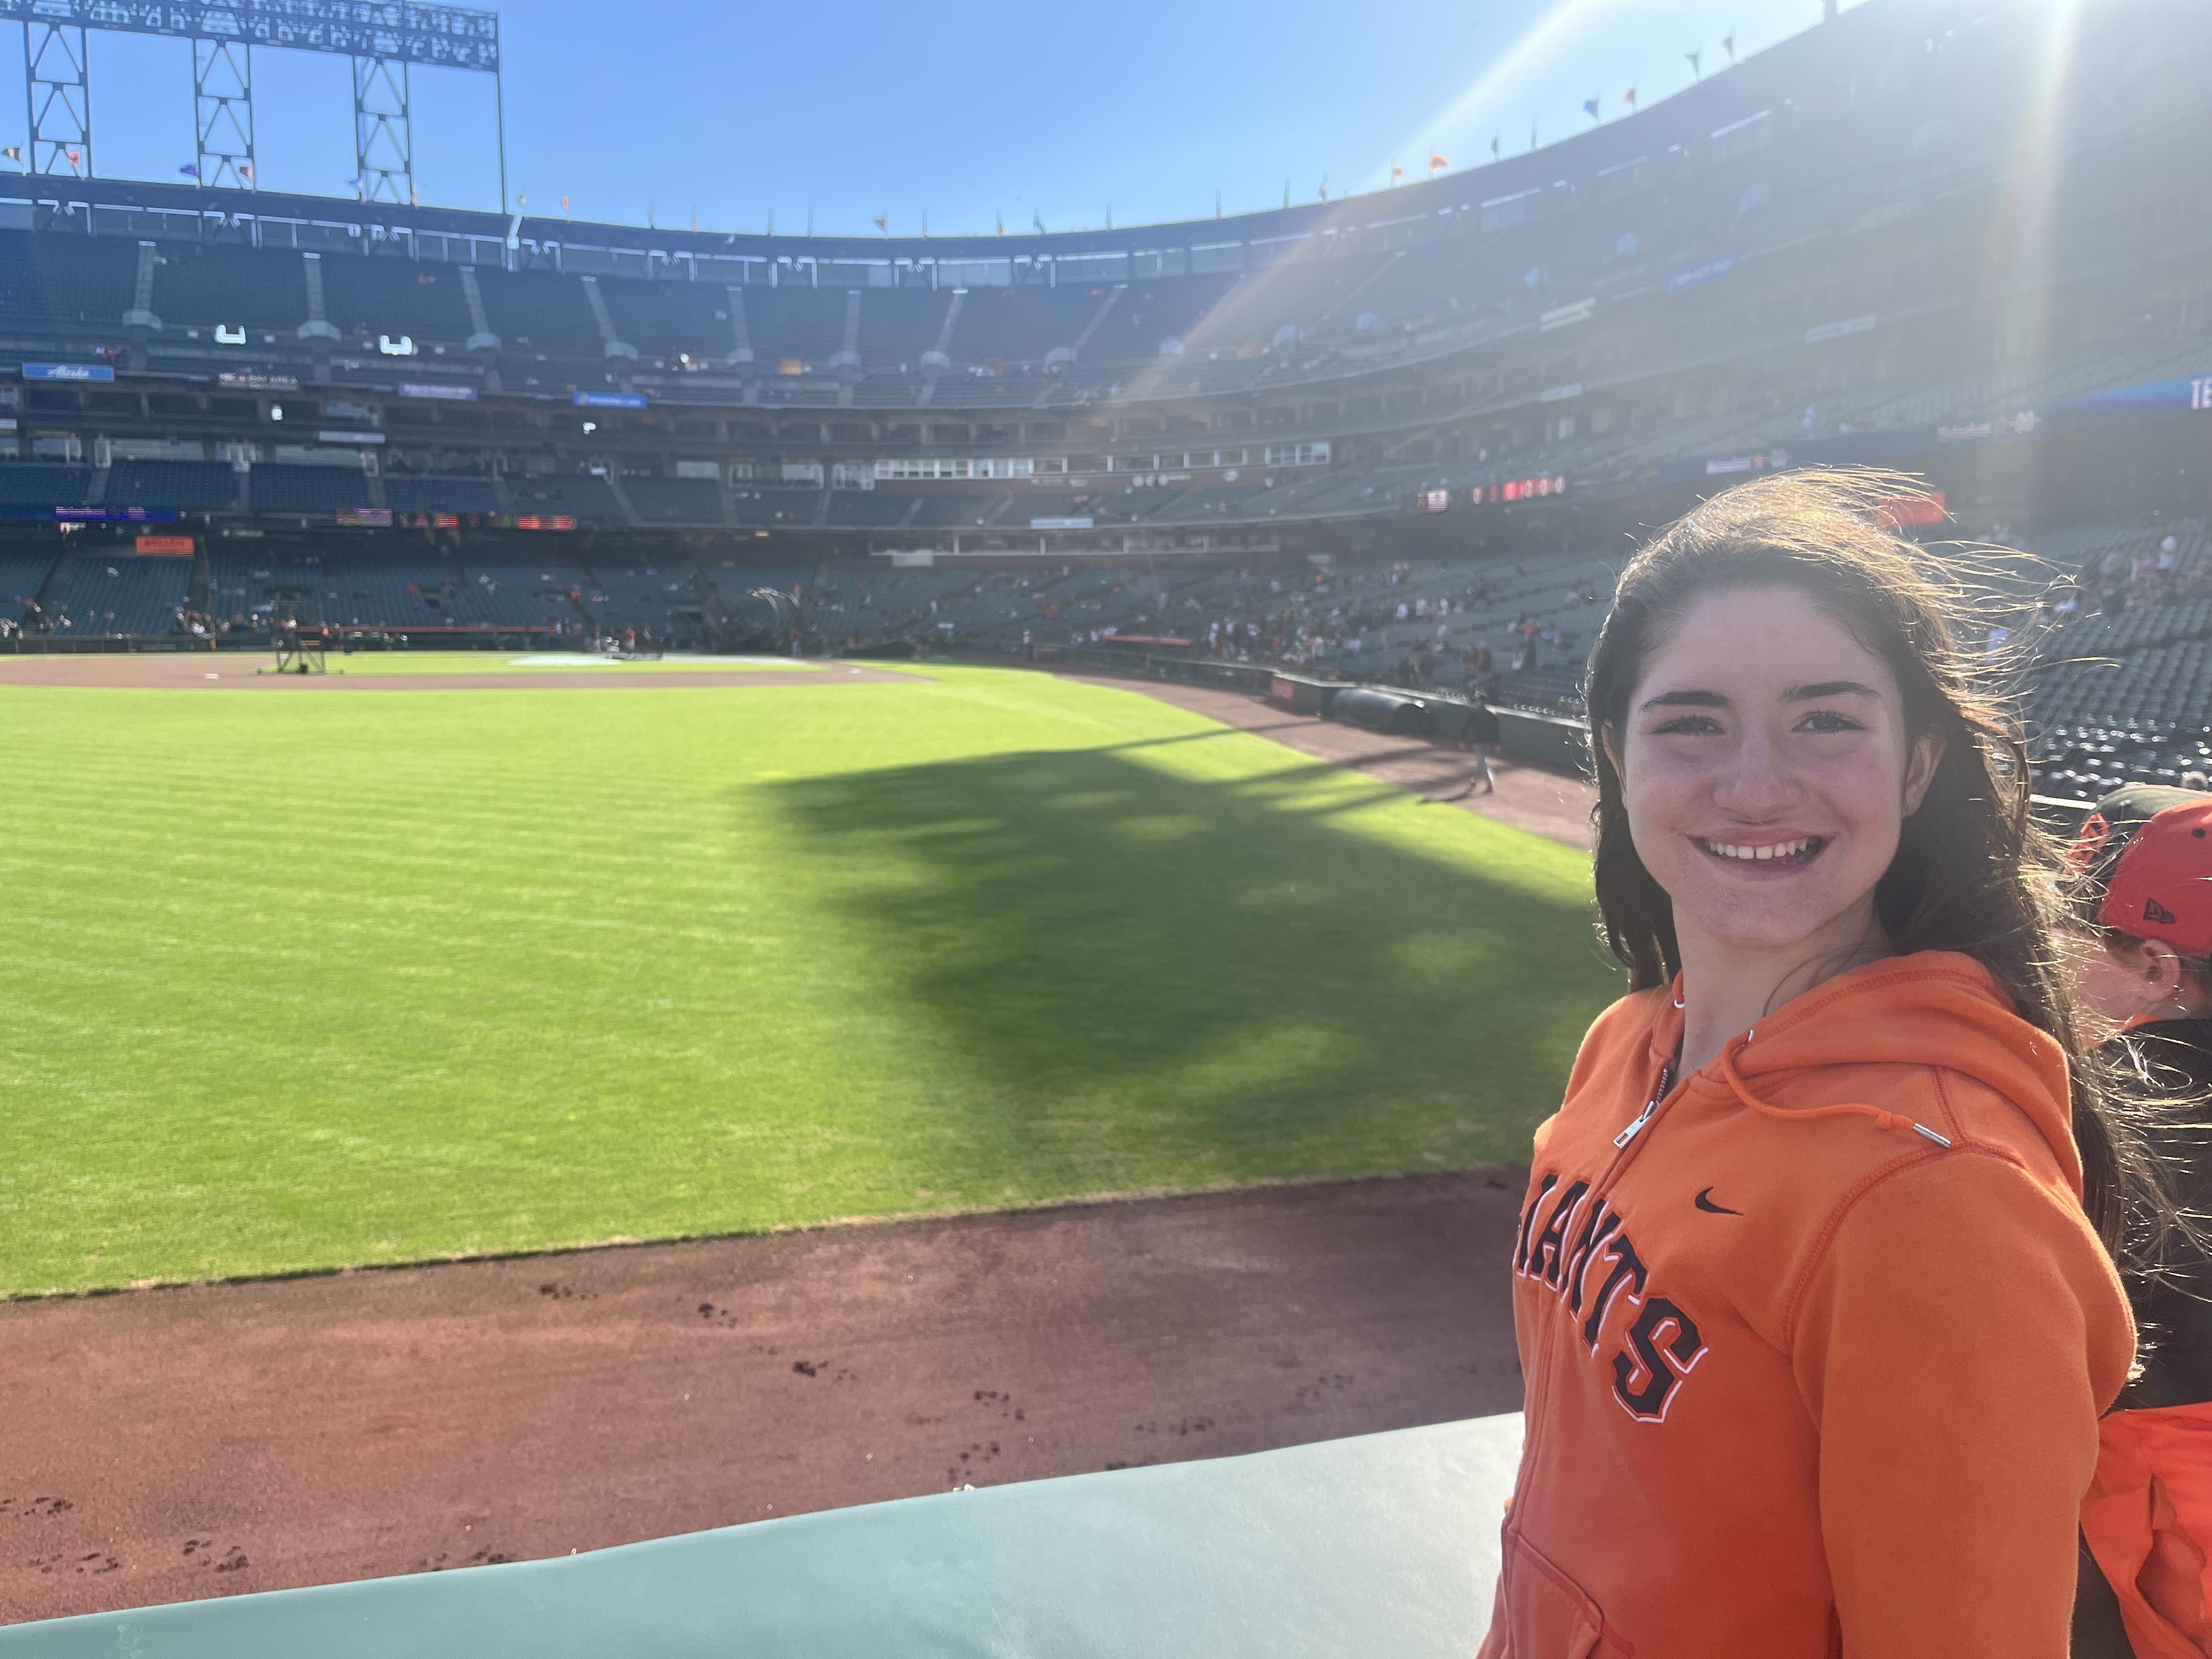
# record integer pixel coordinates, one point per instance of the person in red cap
(2141, 895)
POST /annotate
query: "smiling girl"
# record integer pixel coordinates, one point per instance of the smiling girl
(1814, 1281)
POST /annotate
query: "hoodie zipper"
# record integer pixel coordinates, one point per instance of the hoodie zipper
(1625, 1143)
(1666, 1082)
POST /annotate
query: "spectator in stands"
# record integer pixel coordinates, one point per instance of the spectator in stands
(2141, 898)
(1815, 1278)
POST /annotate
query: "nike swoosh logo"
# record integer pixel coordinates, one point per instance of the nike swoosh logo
(1704, 1201)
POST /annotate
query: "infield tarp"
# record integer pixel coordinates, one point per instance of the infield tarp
(1384, 1544)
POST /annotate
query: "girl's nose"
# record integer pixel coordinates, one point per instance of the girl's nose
(1758, 781)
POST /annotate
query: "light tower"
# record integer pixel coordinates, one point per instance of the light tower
(385, 38)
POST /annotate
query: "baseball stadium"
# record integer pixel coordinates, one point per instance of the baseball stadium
(851, 943)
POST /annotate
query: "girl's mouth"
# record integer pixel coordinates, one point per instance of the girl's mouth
(1790, 853)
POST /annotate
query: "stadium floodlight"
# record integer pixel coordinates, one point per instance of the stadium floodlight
(384, 37)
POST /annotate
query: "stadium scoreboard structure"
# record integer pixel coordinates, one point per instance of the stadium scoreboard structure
(383, 41)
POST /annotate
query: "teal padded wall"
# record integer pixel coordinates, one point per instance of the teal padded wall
(1384, 1544)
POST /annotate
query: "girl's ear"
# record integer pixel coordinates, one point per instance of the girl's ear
(1920, 768)
(1610, 741)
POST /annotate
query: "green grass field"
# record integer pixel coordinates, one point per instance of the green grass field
(293, 982)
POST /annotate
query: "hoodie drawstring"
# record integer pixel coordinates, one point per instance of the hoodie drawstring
(1882, 1120)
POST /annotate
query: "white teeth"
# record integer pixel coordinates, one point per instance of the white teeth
(1784, 850)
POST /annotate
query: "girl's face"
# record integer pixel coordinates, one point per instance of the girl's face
(1767, 773)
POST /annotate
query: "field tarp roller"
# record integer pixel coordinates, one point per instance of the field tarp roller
(1385, 1543)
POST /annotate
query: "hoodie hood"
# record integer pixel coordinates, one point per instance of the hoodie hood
(1935, 1009)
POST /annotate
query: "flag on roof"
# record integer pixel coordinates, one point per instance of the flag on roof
(564, 204)
(1589, 107)
(1396, 173)
(880, 223)
(14, 152)
(245, 171)
(1437, 164)
(189, 171)
(1002, 224)
(1629, 97)
(75, 156)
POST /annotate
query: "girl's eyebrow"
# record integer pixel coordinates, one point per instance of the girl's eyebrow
(1813, 693)
(1828, 689)
(1685, 700)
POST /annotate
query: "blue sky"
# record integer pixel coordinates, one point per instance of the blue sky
(1031, 110)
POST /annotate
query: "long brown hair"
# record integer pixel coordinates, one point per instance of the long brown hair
(1971, 872)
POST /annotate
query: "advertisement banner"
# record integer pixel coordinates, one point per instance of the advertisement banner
(253, 379)
(2195, 393)
(68, 371)
(611, 400)
(1519, 490)
(1062, 524)
(1691, 276)
(366, 517)
(1841, 329)
(169, 547)
(87, 515)
(461, 394)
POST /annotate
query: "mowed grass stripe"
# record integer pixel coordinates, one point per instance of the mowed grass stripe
(305, 982)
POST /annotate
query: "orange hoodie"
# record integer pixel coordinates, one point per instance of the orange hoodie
(1814, 1357)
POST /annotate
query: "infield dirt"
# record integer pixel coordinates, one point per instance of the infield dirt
(182, 671)
(217, 1439)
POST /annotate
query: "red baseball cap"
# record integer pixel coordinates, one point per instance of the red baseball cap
(2142, 865)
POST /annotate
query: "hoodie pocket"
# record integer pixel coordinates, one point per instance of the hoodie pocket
(1550, 1616)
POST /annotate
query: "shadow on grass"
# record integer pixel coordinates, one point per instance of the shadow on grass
(1216, 962)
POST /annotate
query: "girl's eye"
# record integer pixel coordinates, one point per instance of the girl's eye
(1827, 720)
(1687, 725)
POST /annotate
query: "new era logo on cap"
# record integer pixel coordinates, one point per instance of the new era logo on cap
(2153, 911)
